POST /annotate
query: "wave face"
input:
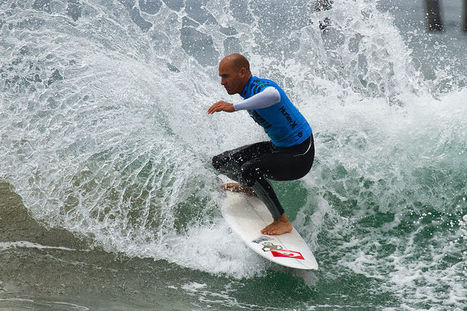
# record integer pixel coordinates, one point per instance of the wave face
(104, 132)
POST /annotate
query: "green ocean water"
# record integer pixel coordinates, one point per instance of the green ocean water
(108, 200)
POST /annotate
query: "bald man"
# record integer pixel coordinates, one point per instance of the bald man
(287, 156)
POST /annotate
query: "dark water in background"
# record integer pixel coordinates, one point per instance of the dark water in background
(105, 140)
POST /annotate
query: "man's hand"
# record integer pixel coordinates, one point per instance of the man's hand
(221, 106)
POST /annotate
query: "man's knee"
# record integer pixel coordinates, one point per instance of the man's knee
(217, 161)
(251, 173)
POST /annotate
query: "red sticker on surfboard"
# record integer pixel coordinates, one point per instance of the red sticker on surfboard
(286, 253)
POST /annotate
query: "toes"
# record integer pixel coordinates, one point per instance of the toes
(269, 231)
(266, 230)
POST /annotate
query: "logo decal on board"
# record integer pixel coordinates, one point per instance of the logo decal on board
(268, 246)
(267, 243)
(261, 239)
(286, 253)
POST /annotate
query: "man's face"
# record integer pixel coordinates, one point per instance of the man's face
(231, 78)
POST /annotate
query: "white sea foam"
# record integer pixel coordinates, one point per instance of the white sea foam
(26, 244)
(104, 132)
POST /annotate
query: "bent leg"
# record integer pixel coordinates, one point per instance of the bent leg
(265, 193)
(230, 162)
(252, 164)
(287, 163)
(280, 164)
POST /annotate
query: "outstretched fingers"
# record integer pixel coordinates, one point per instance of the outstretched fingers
(221, 106)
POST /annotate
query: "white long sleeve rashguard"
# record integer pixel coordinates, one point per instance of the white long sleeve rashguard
(268, 97)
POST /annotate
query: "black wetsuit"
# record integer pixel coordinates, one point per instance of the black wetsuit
(252, 164)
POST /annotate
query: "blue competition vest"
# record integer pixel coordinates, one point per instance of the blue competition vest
(283, 123)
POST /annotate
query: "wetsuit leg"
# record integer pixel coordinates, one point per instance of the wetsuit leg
(241, 165)
(280, 164)
(265, 193)
(289, 163)
(230, 162)
(252, 164)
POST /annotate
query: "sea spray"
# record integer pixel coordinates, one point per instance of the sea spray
(104, 132)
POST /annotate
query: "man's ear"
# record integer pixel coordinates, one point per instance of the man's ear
(243, 71)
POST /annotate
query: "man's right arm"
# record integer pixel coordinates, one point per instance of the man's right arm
(221, 106)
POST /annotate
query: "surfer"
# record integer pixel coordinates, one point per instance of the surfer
(287, 156)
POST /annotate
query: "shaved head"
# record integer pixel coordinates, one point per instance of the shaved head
(237, 61)
(234, 70)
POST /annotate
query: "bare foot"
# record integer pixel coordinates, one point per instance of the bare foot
(236, 187)
(280, 225)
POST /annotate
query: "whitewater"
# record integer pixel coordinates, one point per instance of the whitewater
(108, 200)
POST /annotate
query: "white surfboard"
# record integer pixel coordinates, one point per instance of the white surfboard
(247, 215)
